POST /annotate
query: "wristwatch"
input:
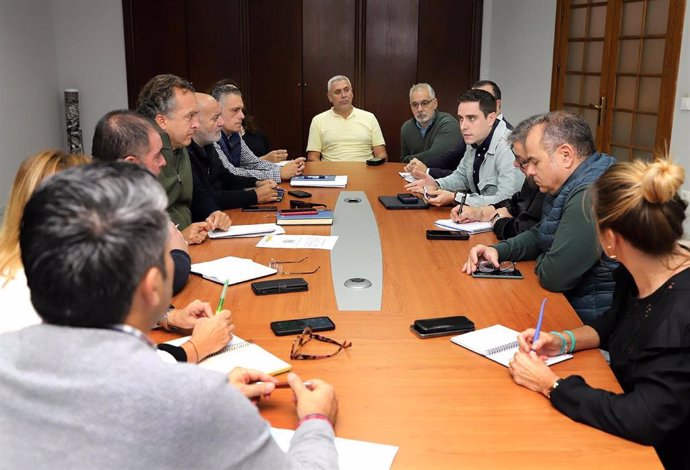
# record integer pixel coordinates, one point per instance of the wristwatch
(552, 388)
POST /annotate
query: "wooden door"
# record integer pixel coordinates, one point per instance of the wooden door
(616, 64)
(329, 29)
(275, 66)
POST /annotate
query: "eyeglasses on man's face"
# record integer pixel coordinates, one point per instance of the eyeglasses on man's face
(306, 337)
(423, 104)
(519, 161)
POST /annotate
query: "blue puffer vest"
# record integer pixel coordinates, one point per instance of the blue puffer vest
(594, 293)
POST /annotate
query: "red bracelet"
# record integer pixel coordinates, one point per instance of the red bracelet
(314, 416)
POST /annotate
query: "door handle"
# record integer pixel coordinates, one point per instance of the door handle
(600, 108)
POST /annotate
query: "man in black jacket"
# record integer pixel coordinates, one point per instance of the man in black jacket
(229, 191)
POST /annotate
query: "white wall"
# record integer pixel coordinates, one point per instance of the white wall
(517, 53)
(29, 99)
(90, 51)
(680, 138)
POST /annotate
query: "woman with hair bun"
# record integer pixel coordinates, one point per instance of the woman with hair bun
(639, 215)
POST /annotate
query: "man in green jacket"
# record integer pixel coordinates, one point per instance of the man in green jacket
(170, 102)
(562, 158)
(429, 133)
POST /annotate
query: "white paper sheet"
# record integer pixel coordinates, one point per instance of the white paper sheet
(315, 242)
(472, 227)
(246, 231)
(235, 270)
(407, 176)
(352, 454)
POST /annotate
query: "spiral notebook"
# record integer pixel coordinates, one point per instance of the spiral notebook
(497, 343)
(240, 353)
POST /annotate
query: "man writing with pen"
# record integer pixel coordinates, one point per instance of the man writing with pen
(486, 174)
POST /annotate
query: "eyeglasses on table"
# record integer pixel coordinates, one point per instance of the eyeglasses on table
(278, 266)
(306, 337)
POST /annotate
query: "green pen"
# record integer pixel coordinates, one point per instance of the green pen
(222, 296)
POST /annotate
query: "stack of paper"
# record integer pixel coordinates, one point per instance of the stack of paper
(235, 270)
(471, 227)
(244, 231)
(319, 181)
(352, 454)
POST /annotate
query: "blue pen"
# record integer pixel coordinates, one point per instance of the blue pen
(541, 317)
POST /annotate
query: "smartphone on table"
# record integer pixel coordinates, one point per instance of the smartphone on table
(297, 326)
(442, 326)
(447, 235)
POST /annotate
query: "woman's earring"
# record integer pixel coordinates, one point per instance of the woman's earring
(608, 248)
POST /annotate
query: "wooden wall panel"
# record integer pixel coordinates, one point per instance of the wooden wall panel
(214, 46)
(275, 68)
(390, 65)
(155, 41)
(328, 49)
(449, 48)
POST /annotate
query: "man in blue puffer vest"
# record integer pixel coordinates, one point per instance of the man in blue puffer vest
(564, 162)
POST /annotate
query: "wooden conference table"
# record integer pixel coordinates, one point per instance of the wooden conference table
(444, 406)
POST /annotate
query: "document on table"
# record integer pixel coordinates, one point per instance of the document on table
(235, 270)
(245, 231)
(352, 454)
(316, 242)
(472, 227)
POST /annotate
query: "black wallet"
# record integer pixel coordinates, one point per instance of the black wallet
(280, 286)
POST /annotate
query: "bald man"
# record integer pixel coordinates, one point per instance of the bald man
(213, 169)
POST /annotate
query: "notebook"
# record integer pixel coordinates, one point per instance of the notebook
(235, 270)
(319, 181)
(244, 231)
(471, 227)
(324, 217)
(497, 343)
(240, 353)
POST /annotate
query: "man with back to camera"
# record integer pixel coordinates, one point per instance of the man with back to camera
(344, 133)
(430, 133)
(227, 189)
(169, 101)
(563, 160)
(240, 160)
(446, 163)
(486, 174)
(86, 387)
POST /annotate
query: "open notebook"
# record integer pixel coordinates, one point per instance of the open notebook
(472, 227)
(240, 353)
(246, 231)
(497, 343)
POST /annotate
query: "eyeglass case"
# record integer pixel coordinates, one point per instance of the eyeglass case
(280, 286)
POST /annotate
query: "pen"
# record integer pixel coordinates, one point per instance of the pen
(287, 385)
(222, 296)
(541, 317)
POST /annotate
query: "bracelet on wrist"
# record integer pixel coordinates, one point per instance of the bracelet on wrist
(553, 387)
(571, 335)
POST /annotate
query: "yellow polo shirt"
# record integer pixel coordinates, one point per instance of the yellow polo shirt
(340, 140)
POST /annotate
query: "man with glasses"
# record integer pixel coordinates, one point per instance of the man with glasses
(486, 174)
(523, 210)
(563, 161)
(344, 133)
(429, 133)
(89, 375)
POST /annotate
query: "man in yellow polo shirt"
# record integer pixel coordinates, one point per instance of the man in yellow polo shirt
(344, 133)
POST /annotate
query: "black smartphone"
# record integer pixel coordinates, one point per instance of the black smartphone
(297, 326)
(281, 193)
(260, 209)
(376, 161)
(407, 198)
(498, 274)
(442, 326)
(447, 235)
(299, 193)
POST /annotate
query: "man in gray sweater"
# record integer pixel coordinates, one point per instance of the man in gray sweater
(86, 389)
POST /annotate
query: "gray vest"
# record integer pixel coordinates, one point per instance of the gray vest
(594, 293)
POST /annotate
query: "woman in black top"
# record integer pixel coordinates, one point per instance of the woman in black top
(640, 216)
